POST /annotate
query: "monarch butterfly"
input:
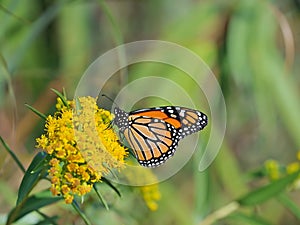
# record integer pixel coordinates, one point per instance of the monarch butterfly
(154, 133)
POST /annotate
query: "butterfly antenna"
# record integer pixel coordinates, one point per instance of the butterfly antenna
(110, 125)
(109, 98)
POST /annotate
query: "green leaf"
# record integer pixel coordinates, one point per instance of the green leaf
(32, 203)
(289, 204)
(50, 220)
(264, 193)
(101, 197)
(30, 179)
(42, 164)
(61, 96)
(47, 219)
(242, 218)
(111, 185)
(12, 154)
(81, 213)
(42, 115)
(64, 93)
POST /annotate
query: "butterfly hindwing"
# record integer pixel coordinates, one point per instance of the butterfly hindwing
(152, 140)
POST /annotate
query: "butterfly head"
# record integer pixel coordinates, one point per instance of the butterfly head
(121, 119)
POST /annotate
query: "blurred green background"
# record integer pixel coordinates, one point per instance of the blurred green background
(251, 46)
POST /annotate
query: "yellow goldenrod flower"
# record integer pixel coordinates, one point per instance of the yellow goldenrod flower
(151, 195)
(82, 147)
(272, 168)
(149, 189)
(292, 167)
(275, 171)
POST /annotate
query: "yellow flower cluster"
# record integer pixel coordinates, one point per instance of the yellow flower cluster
(151, 195)
(146, 182)
(275, 170)
(82, 146)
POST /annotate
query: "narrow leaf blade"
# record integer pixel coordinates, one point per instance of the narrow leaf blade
(43, 116)
(103, 201)
(32, 203)
(242, 218)
(289, 204)
(264, 193)
(81, 213)
(30, 179)
(49, 221)
(12, 154)
(111, 185)
(61, 96)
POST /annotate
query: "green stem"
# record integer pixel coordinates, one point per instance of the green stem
(17, 17)
(117, 35)
(284, 199)
(220, 213)
(81, 214)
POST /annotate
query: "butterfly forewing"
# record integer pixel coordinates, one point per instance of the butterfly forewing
(191, 120)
